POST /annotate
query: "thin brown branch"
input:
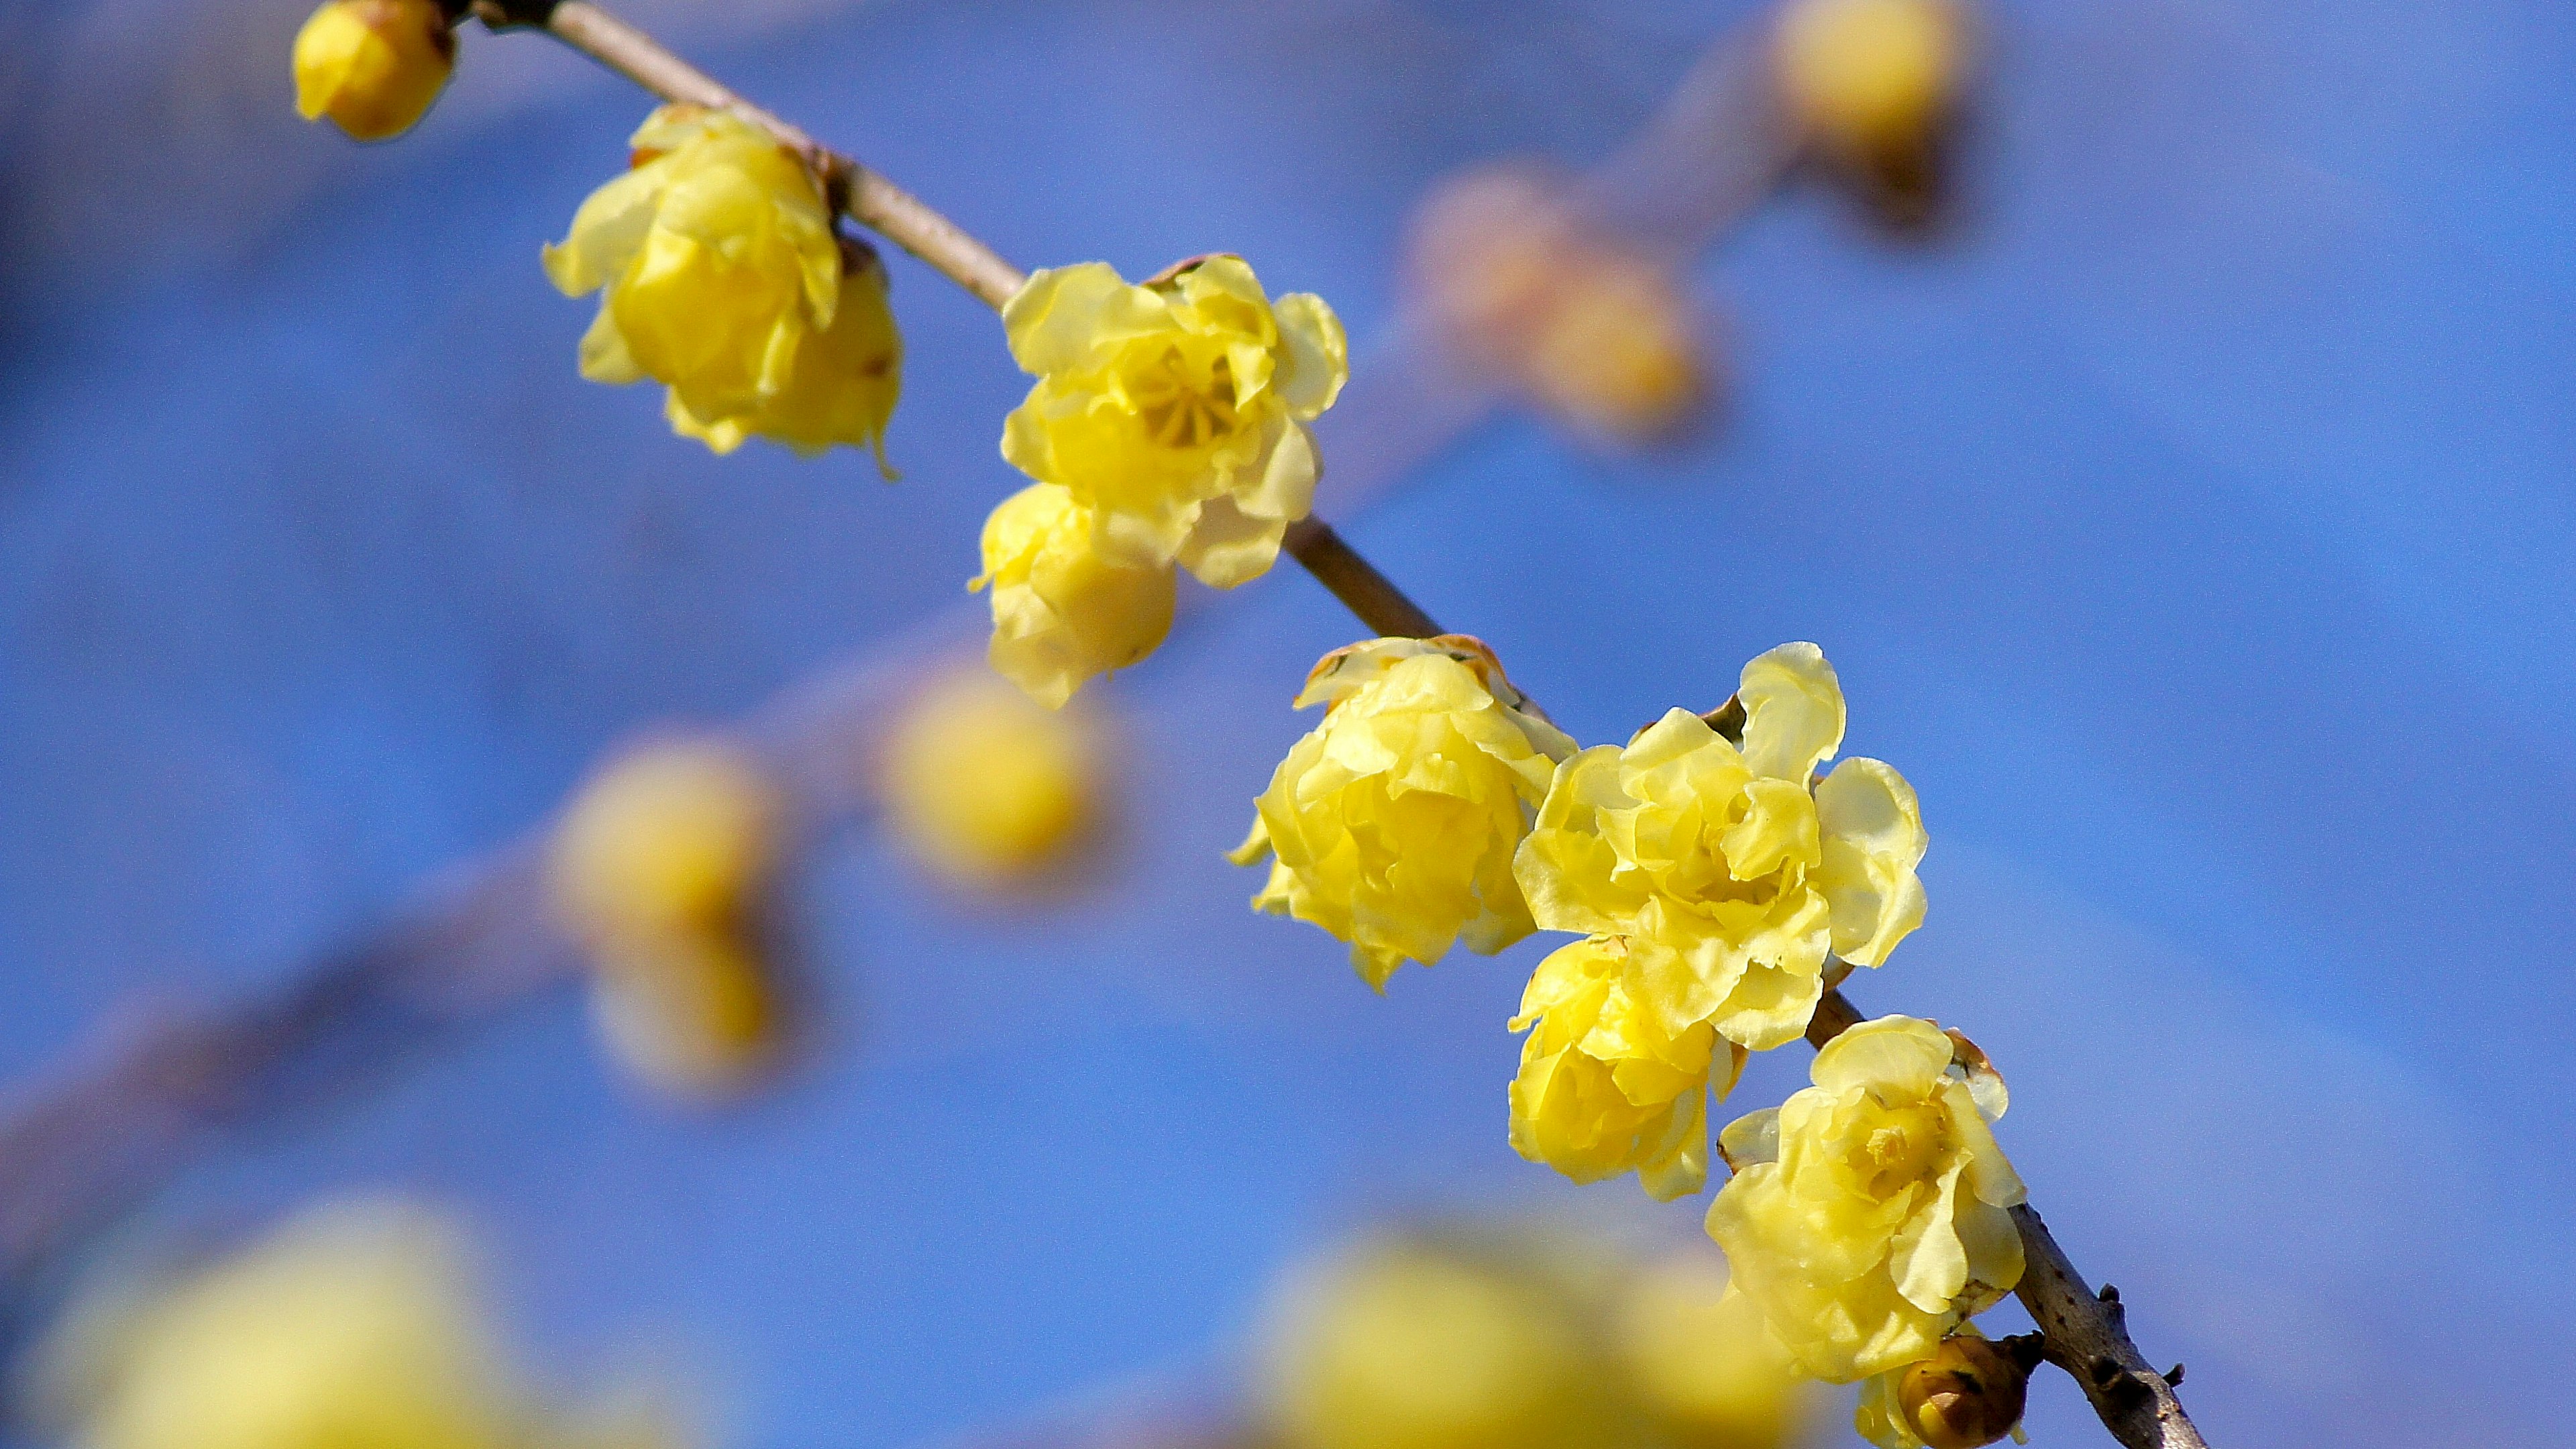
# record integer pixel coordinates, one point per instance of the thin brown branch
(1356, 582)
(2084, 1333)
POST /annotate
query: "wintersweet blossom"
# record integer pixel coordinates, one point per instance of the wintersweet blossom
(1602, 1088)
(1968, 1394)
(1732, 871)
(373, 66)
(1392, 824)
(659, 868)
(986, 786)
(1175, 410)
(1869, 1214)
(1871, 77)
(721, 278)
(1063, 611)
(1702, 1364)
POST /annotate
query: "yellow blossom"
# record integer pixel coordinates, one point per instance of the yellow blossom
(1393, 823)
(350, 1328)
(1062, 610)
(1404, 1345)
(660, 868)
(1872, 77)
(722, 279)
(1703, 1365)
(1175, 410)
(1731, 870)
(372, 66)
(1602, 1089)
(987, 786)
(1868, 1214)
(1968, 1394)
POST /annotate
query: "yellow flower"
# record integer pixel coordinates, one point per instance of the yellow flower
(372, 66)
(660, 868)
(1868, 1215)
(842, 388)
(1703, 1365)
(350, 1328)
(1406, 1346)
(1393, 823)
(1062, 610)
(1176, 411)
(1968, 1394)
(1870, 76)
(1602, 1089)
(987, 786)
(722, 279)
(1731, 871)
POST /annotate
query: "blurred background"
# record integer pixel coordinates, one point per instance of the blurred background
(2192, 518)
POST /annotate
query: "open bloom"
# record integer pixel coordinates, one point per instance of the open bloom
(721, 279)
(1602, 1088)
(1063, 611)
(1733, 873)
(1868, 1214)
(1393, 822)
(373, 66)
(1175, 411)
(985, 785)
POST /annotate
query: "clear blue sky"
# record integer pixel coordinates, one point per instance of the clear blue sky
(2197, 529)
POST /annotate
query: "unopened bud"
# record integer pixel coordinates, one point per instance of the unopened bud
(1876, 84)
(1968, 1393)
(989, 787)
(373, 66)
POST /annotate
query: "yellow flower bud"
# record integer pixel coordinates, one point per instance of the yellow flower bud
(1703, 1366)
(1869, 1214)
(1525, 290)
(722, 279)
(1876, 83)
(1175, 411)
(1731, 870)
(350, 1328)
(1393, 823)
(1403, 1346)
(372, 66)
(660, 868)
(1063, 611)
(1969, 1393)
(1602, 1089)
(987, 786)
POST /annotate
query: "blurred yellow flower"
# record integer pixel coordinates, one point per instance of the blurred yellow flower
(1731, 871)
(1062, 610)
(373, 66)
(1871, 76)
(1175, 410)
(1602, 1089)
(722, 279)
(350, 1328)
(987, 786)
(659, 867)
(1393, 822)
(1968, 1394)
(1403, 1346)
(1703, 1366)
(1868, 1215)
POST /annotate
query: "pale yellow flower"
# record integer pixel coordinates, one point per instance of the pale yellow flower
(1702, 1364)
(660, 868)
(1062, 610)
(349, 1328)
(1868, 1215)
(987, 786)
(1968, 1394)
(1731, 871)
(1175, 411)
(1393, 823)
(1602, 1088)
(1405, 1346)
(722, 279)
(372, 66)
(1870, 76)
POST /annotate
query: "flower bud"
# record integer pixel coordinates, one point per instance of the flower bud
(1063, 609)
(986, 785)
(1969, 1393)
(373, 66)
(1876, 82)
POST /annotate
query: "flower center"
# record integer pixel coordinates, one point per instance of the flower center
(1180, 411)
(1897, 1153)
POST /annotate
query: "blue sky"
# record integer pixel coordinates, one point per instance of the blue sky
(2196, 528)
